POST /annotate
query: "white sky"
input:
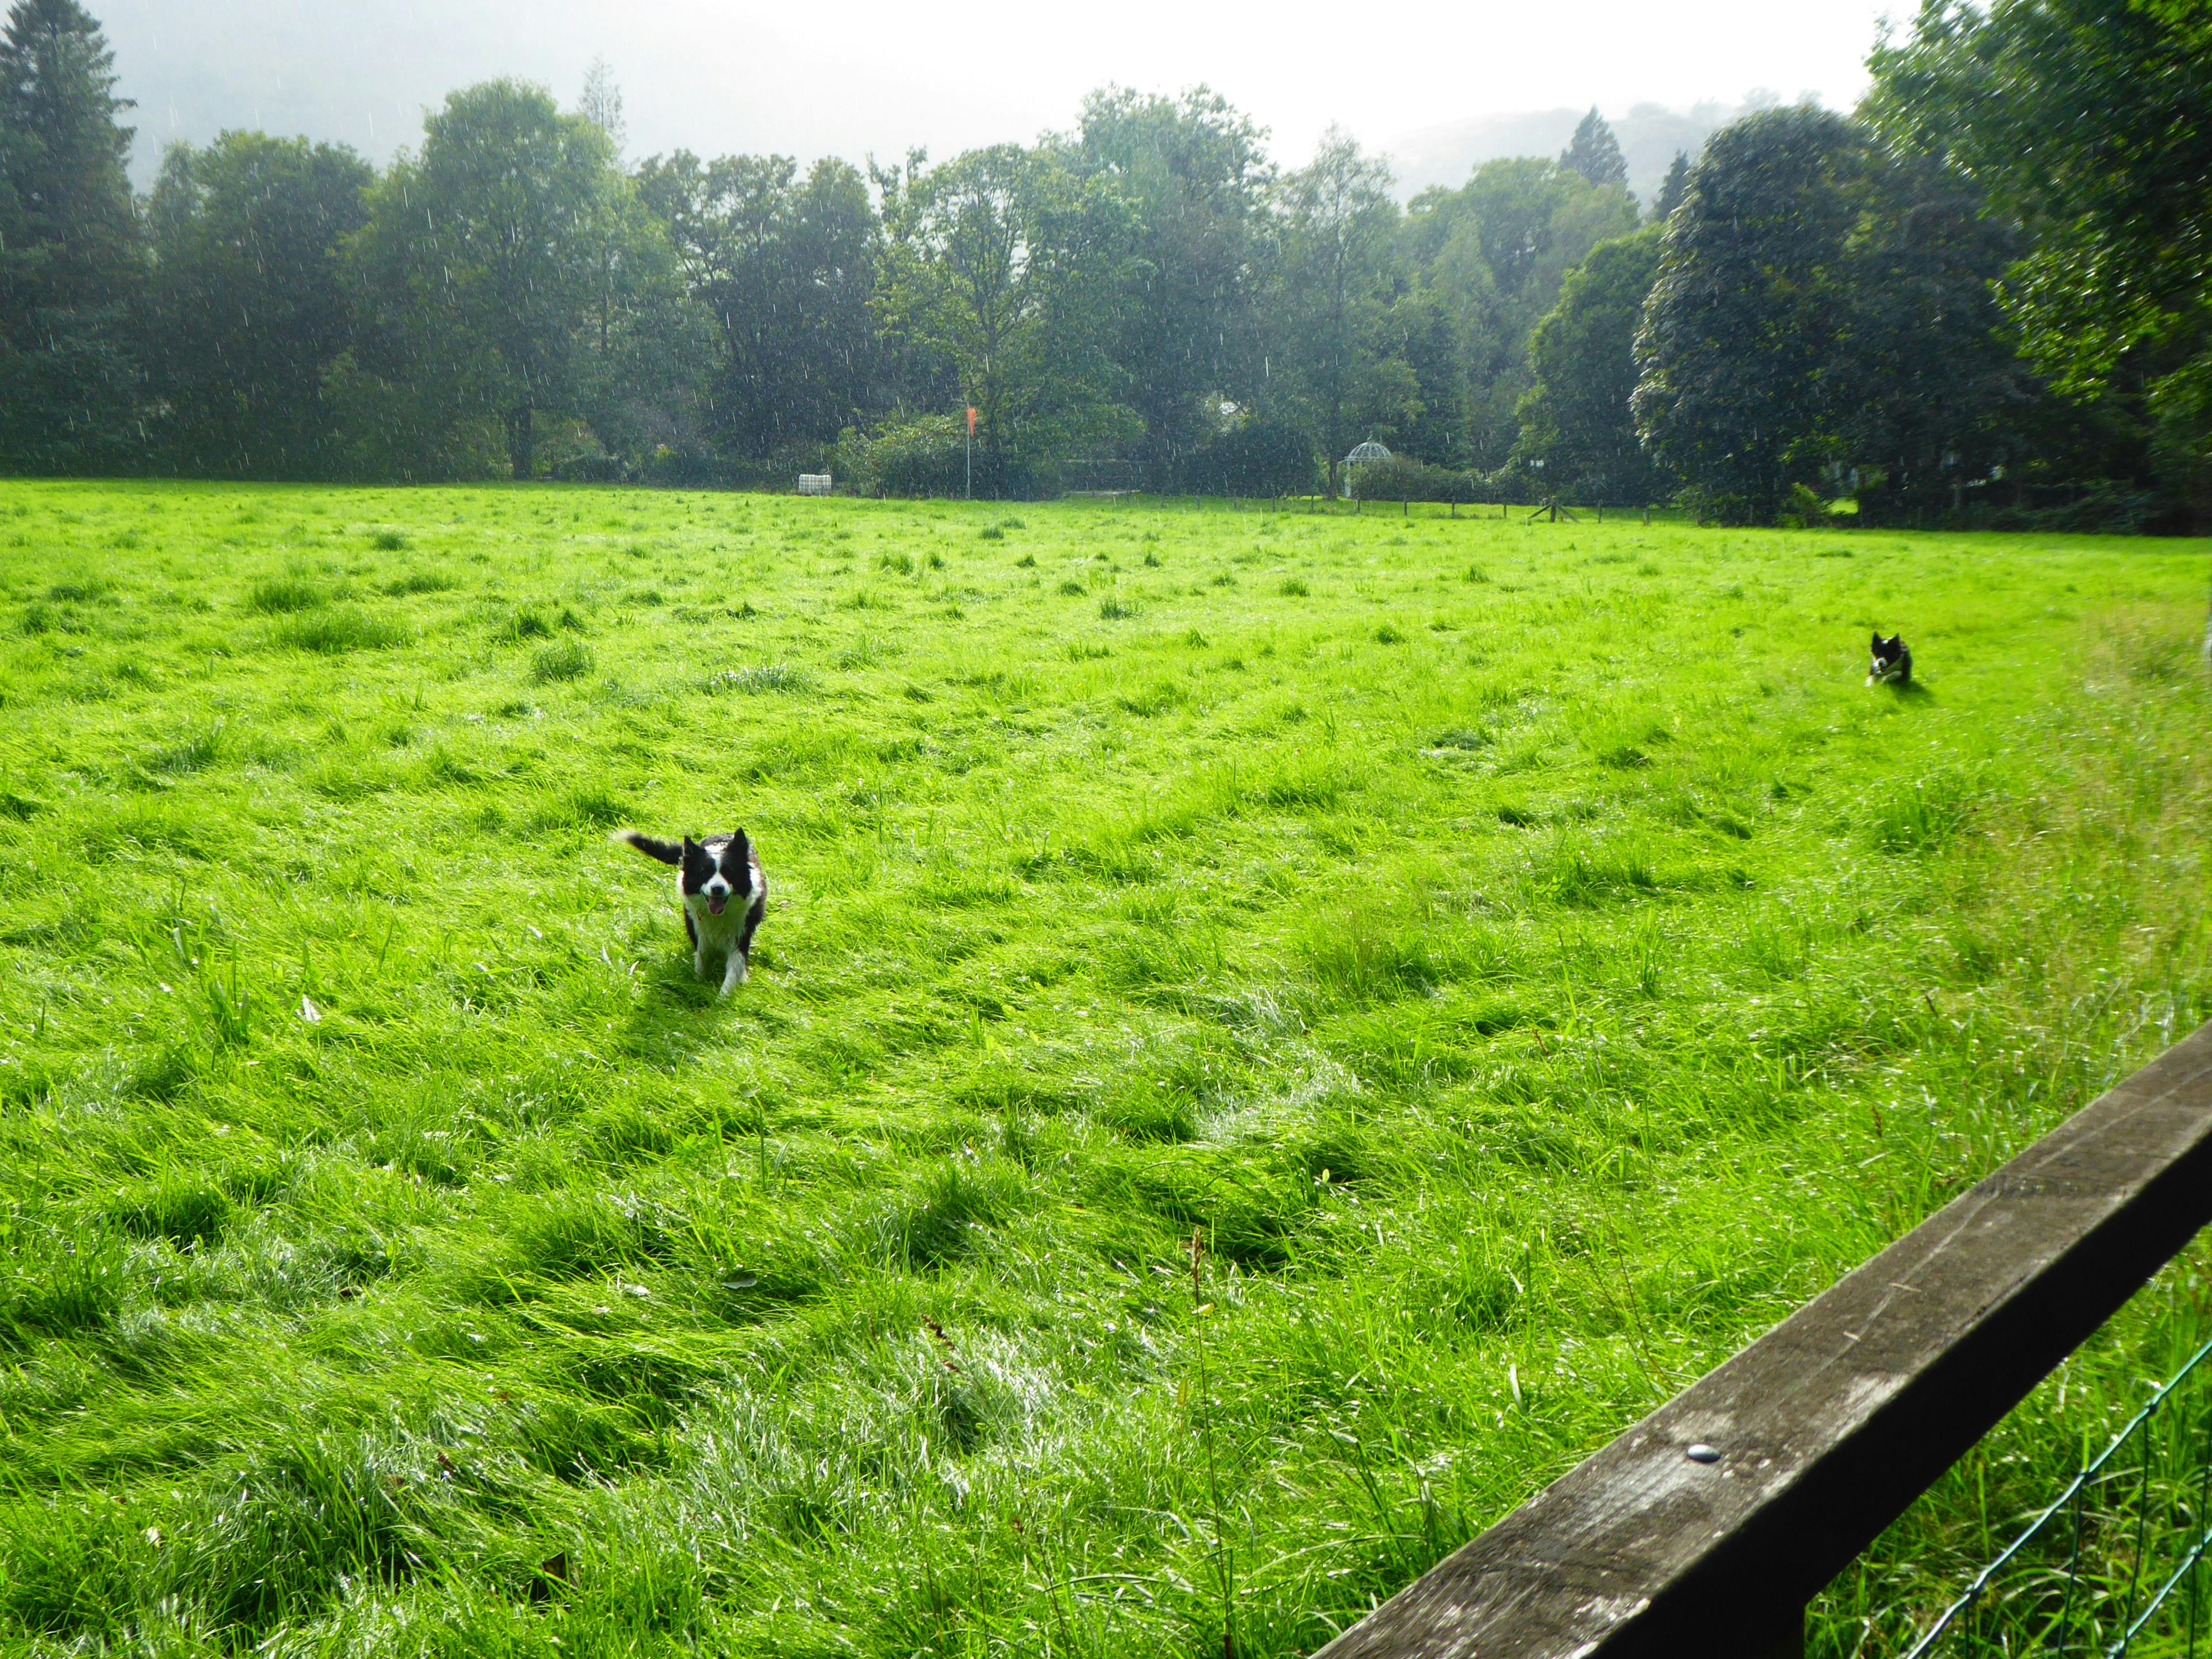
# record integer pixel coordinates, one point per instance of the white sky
(714, 75)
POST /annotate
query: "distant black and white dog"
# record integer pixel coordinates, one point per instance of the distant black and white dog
(724, 895)
(1892, 661)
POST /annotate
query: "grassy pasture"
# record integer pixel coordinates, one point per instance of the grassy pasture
(1524, 958)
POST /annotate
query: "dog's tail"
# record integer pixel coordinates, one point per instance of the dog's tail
(667, 852)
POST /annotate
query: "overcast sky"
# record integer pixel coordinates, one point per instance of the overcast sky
(713, 75)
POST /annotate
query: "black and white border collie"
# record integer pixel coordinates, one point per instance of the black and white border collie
(1892, 661)
(724, 895)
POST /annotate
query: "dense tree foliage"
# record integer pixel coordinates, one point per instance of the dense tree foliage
(1006, 262)
(2088, 123)
(1575, 428)
(1982, 300)
(1187, 331)
(1926, 393)
(70, 247)
(1671, 189)
(1743, 321)
(1491, 256)
(499, 277)
(246, 311)
(785, 268)
(1334, 343)
(1595, 153)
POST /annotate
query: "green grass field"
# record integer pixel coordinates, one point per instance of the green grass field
(1273, 1036)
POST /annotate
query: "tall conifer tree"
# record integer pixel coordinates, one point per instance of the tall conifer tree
(1671, 189)
(1595, 152)
(69, 244)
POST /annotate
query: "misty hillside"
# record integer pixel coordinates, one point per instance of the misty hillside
(1649, 134)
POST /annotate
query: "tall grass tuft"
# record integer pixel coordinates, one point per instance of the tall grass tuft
(569, 659)
(284, 596)
(1360, 956)
(756, 678)
(1924, 815)
(334, 632)
(419, 581)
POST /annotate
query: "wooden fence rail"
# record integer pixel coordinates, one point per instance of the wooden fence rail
(1706, 1528)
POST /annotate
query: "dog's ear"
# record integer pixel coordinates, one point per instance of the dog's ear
(1877, 641)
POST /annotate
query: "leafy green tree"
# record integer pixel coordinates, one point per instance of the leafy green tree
(1595, 153)
(1339, 348)
(2090, 123)
(1925, 392)
(1671, 189)
(71, 251)
(246, 310)
(1575, 419)
(506, 271)
(1005, 264)
(786, 268)
(1424, 331)
(1491, 256)
(1747, 309)
(1196, 179)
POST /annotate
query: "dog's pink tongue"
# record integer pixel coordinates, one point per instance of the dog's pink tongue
(715, 905)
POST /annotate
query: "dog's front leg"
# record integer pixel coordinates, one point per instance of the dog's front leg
(699, 960)
(733, 972)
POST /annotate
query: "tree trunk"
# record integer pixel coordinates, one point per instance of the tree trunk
(521, 442)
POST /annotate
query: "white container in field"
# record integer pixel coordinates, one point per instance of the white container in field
(814, 483)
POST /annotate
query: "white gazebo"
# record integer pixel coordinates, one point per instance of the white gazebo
(1367, 454)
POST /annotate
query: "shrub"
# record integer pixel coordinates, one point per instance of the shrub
(1401, 478)
(1512, 483)
(1257, 457)
(688, 469)
(590, 469)
(924, 456)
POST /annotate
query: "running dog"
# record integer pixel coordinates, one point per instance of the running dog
(1893, 662)
(724, 894)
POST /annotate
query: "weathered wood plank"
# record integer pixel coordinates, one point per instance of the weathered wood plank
(1830, 1424)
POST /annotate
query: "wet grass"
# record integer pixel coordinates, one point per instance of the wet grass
(1524, 960)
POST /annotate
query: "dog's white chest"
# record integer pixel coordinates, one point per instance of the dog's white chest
(717, 932)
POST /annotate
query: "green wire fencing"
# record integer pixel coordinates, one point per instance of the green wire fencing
(2117, 1564)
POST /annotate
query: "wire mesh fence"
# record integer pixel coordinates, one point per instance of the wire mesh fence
(2117, 1564)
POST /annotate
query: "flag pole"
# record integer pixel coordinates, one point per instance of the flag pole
(971, 452)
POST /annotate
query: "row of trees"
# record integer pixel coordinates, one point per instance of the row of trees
(1917, 308)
